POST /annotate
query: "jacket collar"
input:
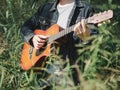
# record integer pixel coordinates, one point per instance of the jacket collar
(77, 4)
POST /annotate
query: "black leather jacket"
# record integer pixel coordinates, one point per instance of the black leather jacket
(47, 15)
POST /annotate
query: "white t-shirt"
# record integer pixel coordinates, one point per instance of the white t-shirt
(64, 12)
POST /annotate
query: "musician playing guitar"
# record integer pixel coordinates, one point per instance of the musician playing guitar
(60, 14)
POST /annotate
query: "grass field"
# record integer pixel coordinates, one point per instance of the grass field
(102, 58)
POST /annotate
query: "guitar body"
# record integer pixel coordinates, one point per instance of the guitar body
(29, 54)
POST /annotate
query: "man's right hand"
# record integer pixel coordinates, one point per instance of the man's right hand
(39, 41)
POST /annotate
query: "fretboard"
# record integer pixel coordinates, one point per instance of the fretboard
(61, 34)
(97, 18)
(64, 32)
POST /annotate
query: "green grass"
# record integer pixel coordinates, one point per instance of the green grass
(102, 58)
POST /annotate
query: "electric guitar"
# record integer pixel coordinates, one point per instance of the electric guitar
(30, 55)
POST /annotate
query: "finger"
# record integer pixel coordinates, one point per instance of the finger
(39, 39)
(80, 31)
(77, 29)
(43, 37)
(35, 43)
(38, 45)
(42, 41)
(83, 25)
(36, 38)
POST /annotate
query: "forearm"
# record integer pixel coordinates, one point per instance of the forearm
(27, 34)
(27, 30)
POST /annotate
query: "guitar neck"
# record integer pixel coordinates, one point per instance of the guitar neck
(61, 34)
(65, 32)
(97, 18)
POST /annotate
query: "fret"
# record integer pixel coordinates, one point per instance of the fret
(94, 19)
(60, 34)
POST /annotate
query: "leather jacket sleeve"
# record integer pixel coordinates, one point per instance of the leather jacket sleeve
(30, 25)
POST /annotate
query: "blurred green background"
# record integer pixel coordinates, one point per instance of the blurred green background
(102, 58)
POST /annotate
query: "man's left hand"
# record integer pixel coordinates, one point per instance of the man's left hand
(82, 30)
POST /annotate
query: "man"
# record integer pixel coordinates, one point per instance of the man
(64, 13)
